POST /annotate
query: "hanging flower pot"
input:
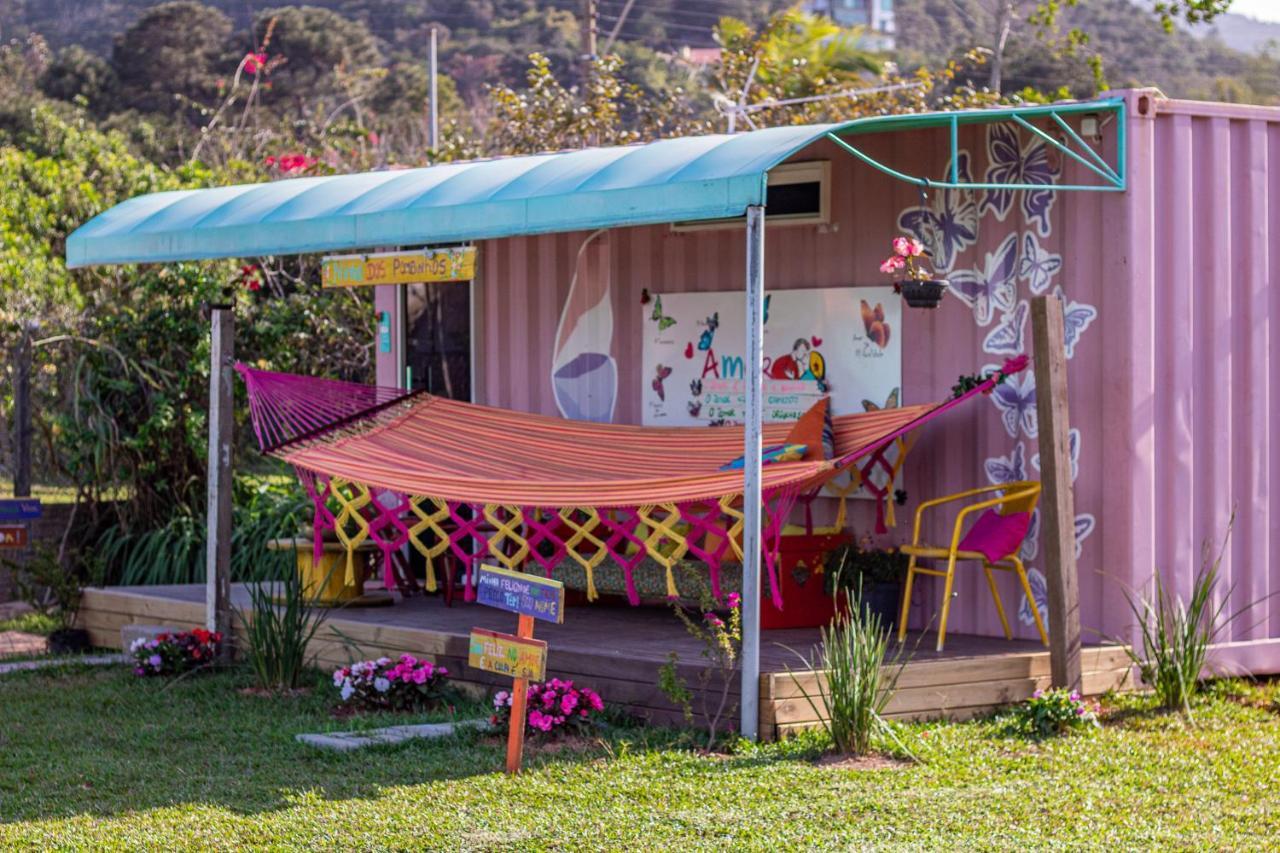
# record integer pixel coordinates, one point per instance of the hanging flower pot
(926, 293)
(919, 288)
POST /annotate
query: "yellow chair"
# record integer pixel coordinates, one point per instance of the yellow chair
(1014, 498)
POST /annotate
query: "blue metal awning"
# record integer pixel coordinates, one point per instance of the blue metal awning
(684, 179)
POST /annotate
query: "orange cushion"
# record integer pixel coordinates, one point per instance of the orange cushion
(808, 431)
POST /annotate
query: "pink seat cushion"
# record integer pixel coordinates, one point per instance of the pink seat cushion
(996, 536)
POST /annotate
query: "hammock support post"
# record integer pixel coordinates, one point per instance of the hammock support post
(751, 475)
(1057, 504)
(222, 337)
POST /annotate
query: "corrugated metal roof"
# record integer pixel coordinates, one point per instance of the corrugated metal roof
(688, 178)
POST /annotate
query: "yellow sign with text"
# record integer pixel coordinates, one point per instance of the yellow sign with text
(416, 267)
(505, 654)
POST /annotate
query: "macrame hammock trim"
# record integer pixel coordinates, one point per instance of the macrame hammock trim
(396, 468)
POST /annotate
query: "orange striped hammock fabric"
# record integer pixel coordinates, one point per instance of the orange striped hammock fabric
(394, 468)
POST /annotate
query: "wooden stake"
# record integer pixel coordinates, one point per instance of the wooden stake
(1057, 505)
(519, 698)
(218, 546)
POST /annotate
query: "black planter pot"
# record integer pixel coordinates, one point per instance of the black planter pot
(882, 600)
(922, 294)
(66, 641)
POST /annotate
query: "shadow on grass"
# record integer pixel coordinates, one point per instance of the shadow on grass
(99, 742)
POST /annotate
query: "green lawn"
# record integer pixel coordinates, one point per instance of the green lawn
(94, 758)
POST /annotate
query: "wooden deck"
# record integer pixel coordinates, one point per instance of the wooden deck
(618, 650)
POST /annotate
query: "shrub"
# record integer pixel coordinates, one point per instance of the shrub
(555, 707)
(1176, 635)
(279, 630)
(1052, 712)
(405, 684)
(857, 680)
(174, 653)
(721, 639)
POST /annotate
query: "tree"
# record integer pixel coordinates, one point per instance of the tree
(324, 59)
(171, 56)
(78, 75)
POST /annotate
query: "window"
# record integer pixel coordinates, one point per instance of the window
(798, 194)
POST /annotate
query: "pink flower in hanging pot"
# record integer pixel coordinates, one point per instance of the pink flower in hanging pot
(892, 264)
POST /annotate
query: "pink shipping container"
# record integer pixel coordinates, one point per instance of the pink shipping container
(1171, 298)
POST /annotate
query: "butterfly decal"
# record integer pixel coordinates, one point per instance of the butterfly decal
(695, 387)
(1007, 469)
(1015, 397)
(695, 408)
(890, 403)
(1040, 595)
(659, 375)
(664, 322)
(874, 323)
(1031, 542)
(1076, 317)
(1007, 338)
(1037, 266)
(992, 287)
(1073, 446)
(709, 333)
(1083, 528)
(948, 224)
(1009, 162)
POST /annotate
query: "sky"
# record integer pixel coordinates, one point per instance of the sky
(1266, 10)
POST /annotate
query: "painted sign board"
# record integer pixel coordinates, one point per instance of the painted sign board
(506, 654)
(416, 267)
(516, 592)
(845, 342)
(25, 509)
(13, 536)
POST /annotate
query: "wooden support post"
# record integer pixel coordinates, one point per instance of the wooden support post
(1057, 506)
(22, 417)
(519, 698)
(218, 546)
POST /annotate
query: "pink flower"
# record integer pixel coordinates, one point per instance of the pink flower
(733, 600)
(892, 264)
(594, 700)
(907, 247)
(568, 702)
(1015, 364)
(289, 163)
(254, 62)
(419, 677)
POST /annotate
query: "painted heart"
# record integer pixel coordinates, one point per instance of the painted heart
(816, 341)
(688, 350)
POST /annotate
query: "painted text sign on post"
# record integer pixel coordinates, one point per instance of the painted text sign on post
(25, 509)
(13, 536)
(422, 265)
(528, 595)
(507, 655)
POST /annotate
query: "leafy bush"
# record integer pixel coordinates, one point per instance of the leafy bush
(1052, 712)
(174, 653)
(857, 677)
(405, 684)
(721, 640)
(555, 707)
(1176, 635)
(860, 564)
(278, 631)
(51, 585)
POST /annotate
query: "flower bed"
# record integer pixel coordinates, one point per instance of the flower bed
(555, 707)
(404, 684)
(172, 653)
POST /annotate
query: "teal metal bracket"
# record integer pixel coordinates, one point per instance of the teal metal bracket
(1113, 177)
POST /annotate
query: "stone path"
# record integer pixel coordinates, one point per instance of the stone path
(45, 663)
(343, 741)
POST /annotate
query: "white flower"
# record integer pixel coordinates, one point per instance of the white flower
(347, 689)
(383, 661)
(381, 685)
(137, 644)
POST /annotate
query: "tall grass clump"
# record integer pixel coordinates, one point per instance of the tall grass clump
(1176, 634)
(282, 621)
(854, 677)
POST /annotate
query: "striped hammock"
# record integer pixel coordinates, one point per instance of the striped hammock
(395, 468)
